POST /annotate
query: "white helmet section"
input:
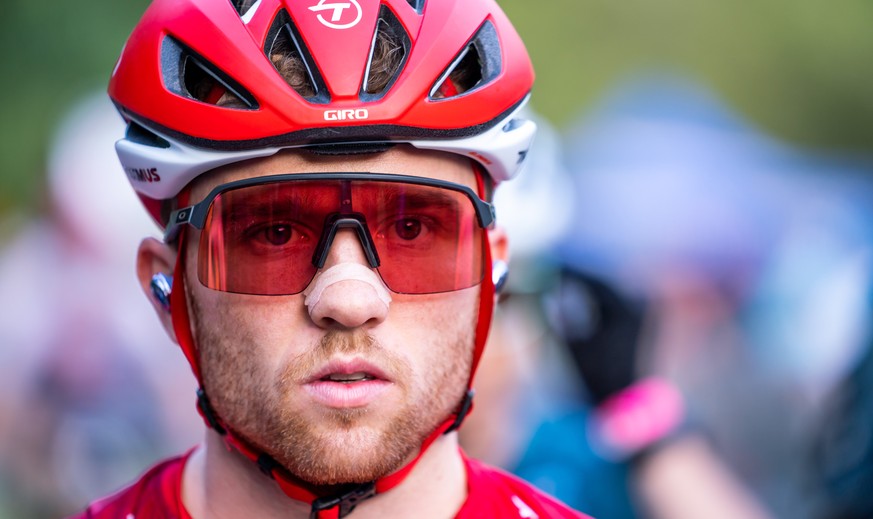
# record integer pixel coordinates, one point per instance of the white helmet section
(161, 172)
(536, 207)
(85, 183)
(502, 150)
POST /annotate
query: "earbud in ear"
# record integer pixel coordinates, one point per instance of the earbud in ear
(161, 288)
(499, 273)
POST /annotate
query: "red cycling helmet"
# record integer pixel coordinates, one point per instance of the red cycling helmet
(201, 84)
(185, 56)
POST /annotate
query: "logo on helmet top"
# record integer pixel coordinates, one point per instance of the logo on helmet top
(343, 115)
(341, 14)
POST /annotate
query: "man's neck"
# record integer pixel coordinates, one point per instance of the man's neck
(219, 483)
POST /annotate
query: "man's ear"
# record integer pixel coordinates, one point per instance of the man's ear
(155, 258)
(499, 244)
(499, 257)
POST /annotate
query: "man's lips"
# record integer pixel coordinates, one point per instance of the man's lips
(347, 383)
(345, 368)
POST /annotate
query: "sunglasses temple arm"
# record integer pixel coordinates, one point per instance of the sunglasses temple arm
(178, 218)
(485, 212)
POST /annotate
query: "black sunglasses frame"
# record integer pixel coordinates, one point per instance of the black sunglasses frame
(195, 215)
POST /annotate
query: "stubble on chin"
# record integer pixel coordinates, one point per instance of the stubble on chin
(341, 445)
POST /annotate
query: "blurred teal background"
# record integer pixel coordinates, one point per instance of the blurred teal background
(800, 69)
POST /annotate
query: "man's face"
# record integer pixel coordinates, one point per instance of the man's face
(347, 390)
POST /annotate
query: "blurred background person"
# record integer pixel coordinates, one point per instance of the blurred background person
(706, 253)
(89, 396)
(842, 451)
(752, 255)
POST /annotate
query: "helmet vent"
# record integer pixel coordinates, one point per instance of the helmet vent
(388, 54)
(243, 6)
(139, 134)
(418, 5)
(187, 74)
(475, 66)
(293, 60)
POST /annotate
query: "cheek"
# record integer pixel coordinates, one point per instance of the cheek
(258, 333)
(442, 334)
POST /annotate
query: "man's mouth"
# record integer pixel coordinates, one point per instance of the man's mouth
(358, 376)
(348, 371)
(347, 383)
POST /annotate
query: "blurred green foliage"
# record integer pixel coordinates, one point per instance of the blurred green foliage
(52, 53)
(801, 69)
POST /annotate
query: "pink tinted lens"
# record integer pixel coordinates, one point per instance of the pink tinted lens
(261, 239)
(428, 238)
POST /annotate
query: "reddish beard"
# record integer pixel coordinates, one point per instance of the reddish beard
(342, 445)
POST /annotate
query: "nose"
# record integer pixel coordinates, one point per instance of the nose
(347, 293)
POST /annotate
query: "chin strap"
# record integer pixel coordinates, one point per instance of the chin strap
(344, 503)
(324, 505)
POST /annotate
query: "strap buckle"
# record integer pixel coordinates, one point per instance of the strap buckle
(466, 405)
(208, 412)
(346, 502)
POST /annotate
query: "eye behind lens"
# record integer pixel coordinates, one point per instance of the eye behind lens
(278, 234)
(408, 228)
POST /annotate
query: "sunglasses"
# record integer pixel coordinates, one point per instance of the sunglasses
(270, 235)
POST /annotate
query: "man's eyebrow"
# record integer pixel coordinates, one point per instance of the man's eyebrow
(420, 199)
(281, 199)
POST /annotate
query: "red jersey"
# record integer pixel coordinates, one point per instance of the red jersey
(491, 493)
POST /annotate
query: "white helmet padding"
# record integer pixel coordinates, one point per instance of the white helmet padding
(160, 167)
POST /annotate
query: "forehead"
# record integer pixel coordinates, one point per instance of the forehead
(401, 160)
